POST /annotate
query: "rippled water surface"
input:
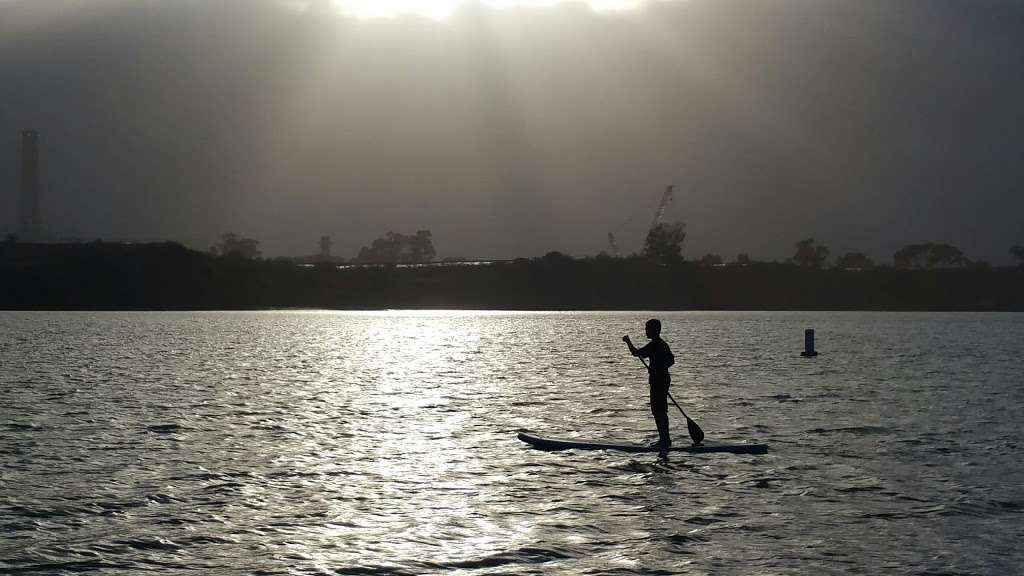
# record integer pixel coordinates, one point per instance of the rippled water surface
(384, 442)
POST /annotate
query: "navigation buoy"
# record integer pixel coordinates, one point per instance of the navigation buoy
(808, 344)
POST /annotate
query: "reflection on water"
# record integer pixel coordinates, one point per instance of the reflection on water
(323, 442)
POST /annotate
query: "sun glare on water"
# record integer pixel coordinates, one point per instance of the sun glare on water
(441, 9)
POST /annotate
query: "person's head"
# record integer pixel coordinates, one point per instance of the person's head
(652, 328)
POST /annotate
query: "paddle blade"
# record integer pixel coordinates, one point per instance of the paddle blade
(696, 434)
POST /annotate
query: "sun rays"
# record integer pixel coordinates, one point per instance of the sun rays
(441, 9)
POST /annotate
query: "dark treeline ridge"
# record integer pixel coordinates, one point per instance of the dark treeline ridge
(167, 276)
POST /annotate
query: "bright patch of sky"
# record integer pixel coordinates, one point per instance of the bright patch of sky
(440, 9)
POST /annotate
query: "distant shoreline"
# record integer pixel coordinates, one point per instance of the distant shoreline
(497, 310)
(155, 277)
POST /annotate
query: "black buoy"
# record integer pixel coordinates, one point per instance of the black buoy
(809, 344)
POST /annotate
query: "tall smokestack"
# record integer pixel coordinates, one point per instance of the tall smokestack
(325, 248)
(31, 224)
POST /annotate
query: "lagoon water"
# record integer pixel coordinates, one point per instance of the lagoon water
(384, 443)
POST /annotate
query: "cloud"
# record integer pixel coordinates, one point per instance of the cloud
(866, 124)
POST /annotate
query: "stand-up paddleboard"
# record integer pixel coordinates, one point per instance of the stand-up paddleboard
(579, 444)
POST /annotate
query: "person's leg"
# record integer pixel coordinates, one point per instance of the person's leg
(659, 408)
(664, 438)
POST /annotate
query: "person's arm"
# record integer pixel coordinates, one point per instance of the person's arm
(641, 352)
(632, 349)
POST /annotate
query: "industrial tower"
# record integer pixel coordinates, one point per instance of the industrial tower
(31, 222)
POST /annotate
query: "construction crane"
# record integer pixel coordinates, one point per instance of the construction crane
(666, 199)
(612, 245)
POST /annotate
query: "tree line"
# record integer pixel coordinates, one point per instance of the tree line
(663, 245)
(167, 276)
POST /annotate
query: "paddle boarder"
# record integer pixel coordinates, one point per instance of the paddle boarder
(661, 357)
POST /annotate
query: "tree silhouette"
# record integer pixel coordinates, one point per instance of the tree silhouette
(909, 256)
(1018, 253)
(809, 254)
(556, 257)
(743, 259)
(854, 260)
(395, 248)
(945, 256)
(232, 244)
(711, 260)
(930, 255)
(664, 243)
(421, 247)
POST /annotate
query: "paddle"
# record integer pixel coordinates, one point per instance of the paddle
(696, 434)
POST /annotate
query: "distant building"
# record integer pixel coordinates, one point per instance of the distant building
(325, 248)
(323, 256)
(31, 221)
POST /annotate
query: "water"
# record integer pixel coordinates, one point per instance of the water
(383, 443)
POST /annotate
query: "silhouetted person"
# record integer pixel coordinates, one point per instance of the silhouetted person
(661, 358)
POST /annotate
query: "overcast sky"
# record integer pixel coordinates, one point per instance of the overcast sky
(867, 124)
